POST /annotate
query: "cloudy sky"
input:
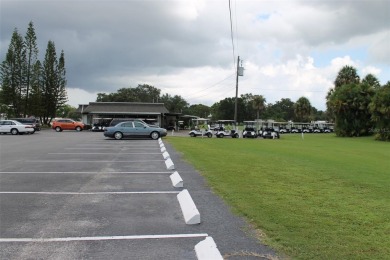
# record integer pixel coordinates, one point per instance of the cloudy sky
(289, 48)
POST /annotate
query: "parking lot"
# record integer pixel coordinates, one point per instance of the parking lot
(78, 195)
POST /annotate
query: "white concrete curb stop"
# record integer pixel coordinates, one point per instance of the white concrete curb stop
(163, 149)
(162, 145)
(190, 212)
(159, 140)
(207, 249)
(177, 181)
(166, 155)
(169, 164)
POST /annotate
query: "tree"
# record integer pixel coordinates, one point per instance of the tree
(174, 104)
(258, 103)
(371, 80)
(147, 93)
(11, 72)
(347, 75)
(54, 82)
(350, 105)
(302, 109)
(31, 58)
(380, 112)
(198, 110)
(142, 93)
(37, 86)
(68, 111)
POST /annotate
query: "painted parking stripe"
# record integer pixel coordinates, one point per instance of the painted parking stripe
(89, 193)
(89, 172)
(84, 161)
(67, 239)
(108, 153)
(111, 148)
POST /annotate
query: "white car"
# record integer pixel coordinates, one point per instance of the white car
(15, 127)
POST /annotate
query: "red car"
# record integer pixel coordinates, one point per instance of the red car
(67, 124)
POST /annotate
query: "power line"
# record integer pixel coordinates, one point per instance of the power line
(231, 33)
(282, 90)
(194, 95)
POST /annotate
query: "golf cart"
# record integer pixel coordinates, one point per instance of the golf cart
(98, 124)
(249, 129)
(270, 133)
(201, 128)
(226, 129)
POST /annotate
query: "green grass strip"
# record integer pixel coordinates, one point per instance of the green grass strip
(321, 197)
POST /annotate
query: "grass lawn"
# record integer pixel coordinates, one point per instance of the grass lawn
(321, 197)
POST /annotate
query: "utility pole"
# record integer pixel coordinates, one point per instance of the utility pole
(240, 72)
(235, 105)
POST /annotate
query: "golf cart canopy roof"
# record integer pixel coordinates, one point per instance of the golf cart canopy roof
(200, 119)
(225, 121)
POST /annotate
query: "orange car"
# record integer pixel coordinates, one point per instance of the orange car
(67, 124)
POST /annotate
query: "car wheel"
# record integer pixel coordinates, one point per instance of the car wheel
(58, 129)
(192, 135)
(221, 135)
(154, 135)
(78, 129)
(118, 135)
(209, 135)
(14, 131)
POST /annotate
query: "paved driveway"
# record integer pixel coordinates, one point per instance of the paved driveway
(78, 195)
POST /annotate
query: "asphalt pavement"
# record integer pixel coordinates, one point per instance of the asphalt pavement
(79, 195)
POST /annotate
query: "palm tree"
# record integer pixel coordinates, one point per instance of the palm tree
(347, 75)
(302, 109)
(371, 80)
(258, 103)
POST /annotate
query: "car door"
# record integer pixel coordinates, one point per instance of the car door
(127, 129)
(140, 129)
(2, 128)
(6, 126)
(68, 125)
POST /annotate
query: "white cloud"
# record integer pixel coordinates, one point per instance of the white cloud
(290, 48)
(78, 96)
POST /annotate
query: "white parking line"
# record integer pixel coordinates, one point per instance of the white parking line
(84, 161)
(66, 239)
(116, 145)
(89, 172)
(108, 153)
(112, 148)
(89, 193)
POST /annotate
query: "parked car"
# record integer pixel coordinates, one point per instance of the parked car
(14, 127)
(29, 121)
(134, 128)
(67, 124)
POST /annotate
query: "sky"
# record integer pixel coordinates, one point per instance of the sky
(288, 48)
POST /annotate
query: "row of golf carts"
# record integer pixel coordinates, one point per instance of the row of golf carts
(227, 128)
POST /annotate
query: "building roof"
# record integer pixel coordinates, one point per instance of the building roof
(125, 108)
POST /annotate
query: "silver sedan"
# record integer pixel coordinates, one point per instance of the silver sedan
(136, 128)
(14, 127)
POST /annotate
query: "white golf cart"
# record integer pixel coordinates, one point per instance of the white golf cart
(270, 133)
(201, 128)
(249, 129)
(227, 128)
(99, 124)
